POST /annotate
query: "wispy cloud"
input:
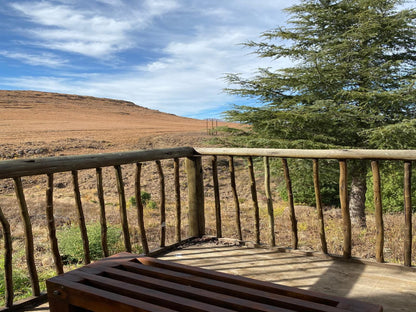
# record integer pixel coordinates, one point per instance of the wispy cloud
(42, 59)
(169, 55)
(92, 31)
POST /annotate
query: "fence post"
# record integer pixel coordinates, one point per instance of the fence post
(195, 196)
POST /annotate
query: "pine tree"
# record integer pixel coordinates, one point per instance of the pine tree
(351, 85)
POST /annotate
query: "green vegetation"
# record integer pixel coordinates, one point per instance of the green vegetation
(351, 84)
(70, 242)
(146, 200)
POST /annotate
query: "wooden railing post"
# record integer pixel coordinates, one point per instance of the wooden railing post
(139, 208)
(293, 220)
(81, 218)
(378, 213)
(318, 199)
(235, 197)
(123, 208)
(346, 219)
(103, 219)
(51, 227)
(29, 246)
(195, 196)
(408, 213)
(269, 200)
(162, 206)
(8, 252)
(254, 199)
(216, 195)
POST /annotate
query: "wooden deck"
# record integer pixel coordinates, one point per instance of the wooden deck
(393, 287)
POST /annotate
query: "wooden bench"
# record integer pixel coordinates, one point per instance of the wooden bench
(127, 282)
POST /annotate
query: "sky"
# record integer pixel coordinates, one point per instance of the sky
(169, 55)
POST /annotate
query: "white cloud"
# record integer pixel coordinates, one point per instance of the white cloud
(196, 44)
(95, 32)
(43, 59)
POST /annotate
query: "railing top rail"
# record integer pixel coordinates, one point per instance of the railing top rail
(312, 154)
(27, 167)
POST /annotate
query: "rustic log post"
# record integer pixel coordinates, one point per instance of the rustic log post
(254, 199)
(8, 252)
(29, 248)
(235, 196)
(103, 219)
(378, 211)
(51, 226)
(195, 196)
(162, 204)
(123, 208)
(81, 218)
(346, 219)
(177, 200)
(139, 207)
(319, 209)
(269, 200)
(408, 213)
(216, 195)
(293, 220)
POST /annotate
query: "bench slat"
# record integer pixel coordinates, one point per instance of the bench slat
(127, 282)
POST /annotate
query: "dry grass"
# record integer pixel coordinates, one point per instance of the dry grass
(128, 131)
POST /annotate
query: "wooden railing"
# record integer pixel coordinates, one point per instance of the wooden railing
(15, 170)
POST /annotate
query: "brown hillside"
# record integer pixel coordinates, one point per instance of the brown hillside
(33, 121)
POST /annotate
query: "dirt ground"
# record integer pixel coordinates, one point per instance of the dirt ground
(40, 123)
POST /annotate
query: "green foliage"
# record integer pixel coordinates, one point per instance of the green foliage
(352, 79)
(352, 83)
(391, 176)
(151, 204)
(71, 247)
(301, 174)
(145, 196)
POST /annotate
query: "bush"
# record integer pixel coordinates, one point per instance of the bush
(71, 247)
(145, 196)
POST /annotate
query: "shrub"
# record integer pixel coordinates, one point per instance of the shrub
(71, 247)
(145, 196)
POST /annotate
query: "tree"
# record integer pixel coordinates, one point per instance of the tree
(352, 82)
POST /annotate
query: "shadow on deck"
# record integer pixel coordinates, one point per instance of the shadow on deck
(391, 286)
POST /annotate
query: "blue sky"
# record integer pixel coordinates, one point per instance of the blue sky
(169, 55)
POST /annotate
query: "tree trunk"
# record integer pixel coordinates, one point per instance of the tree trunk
(357, 196)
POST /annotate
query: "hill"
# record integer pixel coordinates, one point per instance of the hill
(35, 122)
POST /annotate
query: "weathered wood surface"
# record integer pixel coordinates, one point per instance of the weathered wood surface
(127, 282)
(269, 199)
(311, 154)
(123, 208)
(292, 215)
(51, 227)
(29, 247)
(408, 213)
(178, 228)
(26, 167)
(103, 218)
(346, 219)
(81, 217)
(319, 209)
(235, 197)
(8, 254)
(195, 196)
(254, 199)
(218, 222)
(162, 208)
(378, 212)
(139, 208)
